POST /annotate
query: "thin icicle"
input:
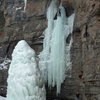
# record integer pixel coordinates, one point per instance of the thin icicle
(57, 55)
(71, 22)
(25, 2)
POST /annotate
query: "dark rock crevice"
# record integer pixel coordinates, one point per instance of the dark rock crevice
(2, 19)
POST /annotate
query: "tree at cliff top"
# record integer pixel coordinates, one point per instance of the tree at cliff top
(24, 80)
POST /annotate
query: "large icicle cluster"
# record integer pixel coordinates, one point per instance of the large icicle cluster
(45, 54)
(55, 57)
(24, 81)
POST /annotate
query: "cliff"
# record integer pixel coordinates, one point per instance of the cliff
(85, 80)
(17, 24)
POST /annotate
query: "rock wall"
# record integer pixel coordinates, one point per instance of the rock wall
(85, 53)
(17, 24)
(85, 81)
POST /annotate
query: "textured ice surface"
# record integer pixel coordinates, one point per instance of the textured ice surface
(2, 98)
(55, 57)
(45, 54)
(24, 80)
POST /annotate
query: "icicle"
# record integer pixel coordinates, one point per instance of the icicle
(71, 22)
(55, 57)
(25, 2)
(45, 54)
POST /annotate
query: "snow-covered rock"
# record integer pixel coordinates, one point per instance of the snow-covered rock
(24, 81)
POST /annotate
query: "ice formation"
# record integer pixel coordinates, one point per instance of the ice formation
(25, 2)
(45, 54)
(2, 98)
(55, 57)
(24, 80)
(18, 8)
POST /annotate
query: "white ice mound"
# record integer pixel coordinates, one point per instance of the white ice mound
(24, 80)
(2, 98)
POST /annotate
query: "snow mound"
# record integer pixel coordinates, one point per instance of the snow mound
(24, 80)
(2, 98)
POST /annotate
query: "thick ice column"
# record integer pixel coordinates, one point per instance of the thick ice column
(56, 65)
(24, 80)
(55, 57)
(45, 54)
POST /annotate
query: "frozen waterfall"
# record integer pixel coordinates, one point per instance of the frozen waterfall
(24, 80)
(45, 54)
(55, 57)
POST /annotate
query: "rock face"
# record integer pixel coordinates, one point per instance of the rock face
(3, 83)
(3, 76)
(17, 24)
(85, 53)
(85, 81)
